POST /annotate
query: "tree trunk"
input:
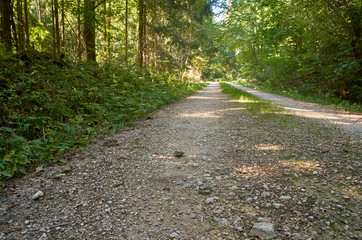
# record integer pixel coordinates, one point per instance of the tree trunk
(126, 32)
(19, 8)
(63, 27)
(38, 10)
(5, 30)
(109, 27)
(79, 42)
(54, 35)
(105, 30)
(26, 18)
(57, 31)
(140, 33)
(90, 30)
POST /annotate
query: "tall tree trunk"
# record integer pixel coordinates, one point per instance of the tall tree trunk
(54, 34)
(126, 32)
(90, 30)
(5, 27)
(109, 27)
(26, 18)
(38, 10)
(19, 8)
(140, 33)
(57, 30)
(13, 26)
(105, 30)
(79, 42)
(63, 27)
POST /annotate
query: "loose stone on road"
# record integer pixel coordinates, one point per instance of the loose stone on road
(201, 168)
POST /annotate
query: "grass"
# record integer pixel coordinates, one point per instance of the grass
(48, 107)
(252, 103)
(307, 96)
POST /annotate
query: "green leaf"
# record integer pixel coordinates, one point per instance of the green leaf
(5, 173)
(21, 159)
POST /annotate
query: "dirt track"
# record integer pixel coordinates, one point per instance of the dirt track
(238, 169)
(351, 122)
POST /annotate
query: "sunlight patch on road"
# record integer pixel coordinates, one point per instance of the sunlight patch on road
(265, 147)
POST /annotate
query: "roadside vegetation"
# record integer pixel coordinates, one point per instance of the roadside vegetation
(300, 94)
(49, 107)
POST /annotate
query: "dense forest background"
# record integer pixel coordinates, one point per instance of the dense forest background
(69, 68)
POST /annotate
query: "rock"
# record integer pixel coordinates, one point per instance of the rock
(173, 235)
(285, 197)
(232, 188)
(209, 200)
(278, 205)
(261, 219)
(218, 177)
(43, 237)
(178, 154)
(263, 230)
(37, 195)
(297, 235)
(265, 194)
(199, 182)
(223, 222)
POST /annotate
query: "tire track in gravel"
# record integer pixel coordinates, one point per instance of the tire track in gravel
(238, 169)
(351, 122)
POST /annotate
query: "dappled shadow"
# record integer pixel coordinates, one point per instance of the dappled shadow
(347, 121)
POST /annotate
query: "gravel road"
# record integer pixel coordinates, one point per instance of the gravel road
(351, 122)
(242, 175)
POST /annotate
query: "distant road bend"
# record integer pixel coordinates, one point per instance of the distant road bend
(352, 122)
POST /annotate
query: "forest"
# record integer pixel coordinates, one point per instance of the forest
(71, 70)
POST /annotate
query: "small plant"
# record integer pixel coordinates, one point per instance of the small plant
(47, 109)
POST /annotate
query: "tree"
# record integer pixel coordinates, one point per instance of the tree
(89, 29)
(5, 6)
(141, 32)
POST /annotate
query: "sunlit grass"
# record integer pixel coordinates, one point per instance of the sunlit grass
(251, 102)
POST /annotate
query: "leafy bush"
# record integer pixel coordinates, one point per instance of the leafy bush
(47, 106)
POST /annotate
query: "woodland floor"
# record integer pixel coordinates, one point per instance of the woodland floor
(239, 168)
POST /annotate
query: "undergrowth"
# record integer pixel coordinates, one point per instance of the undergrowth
(48, 107)
(302, 94)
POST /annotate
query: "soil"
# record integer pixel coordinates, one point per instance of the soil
(201, 168)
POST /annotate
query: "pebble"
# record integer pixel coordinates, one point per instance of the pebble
(278, 205)
(285, 197)
(265, 194)
(297, 235)
(223, 222)
(209, 200)
(173, 235)
(233, 188)
(264, 230)
(37, 195)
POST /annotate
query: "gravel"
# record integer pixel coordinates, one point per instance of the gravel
(351, 122)
(136, 188)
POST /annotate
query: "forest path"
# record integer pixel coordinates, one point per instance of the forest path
(351, 122)
(238, 169)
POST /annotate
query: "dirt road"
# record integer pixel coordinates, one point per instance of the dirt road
(351, 122)
(239, 170)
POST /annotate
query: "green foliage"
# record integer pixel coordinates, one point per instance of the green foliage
(49, 107)
(302, 46)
